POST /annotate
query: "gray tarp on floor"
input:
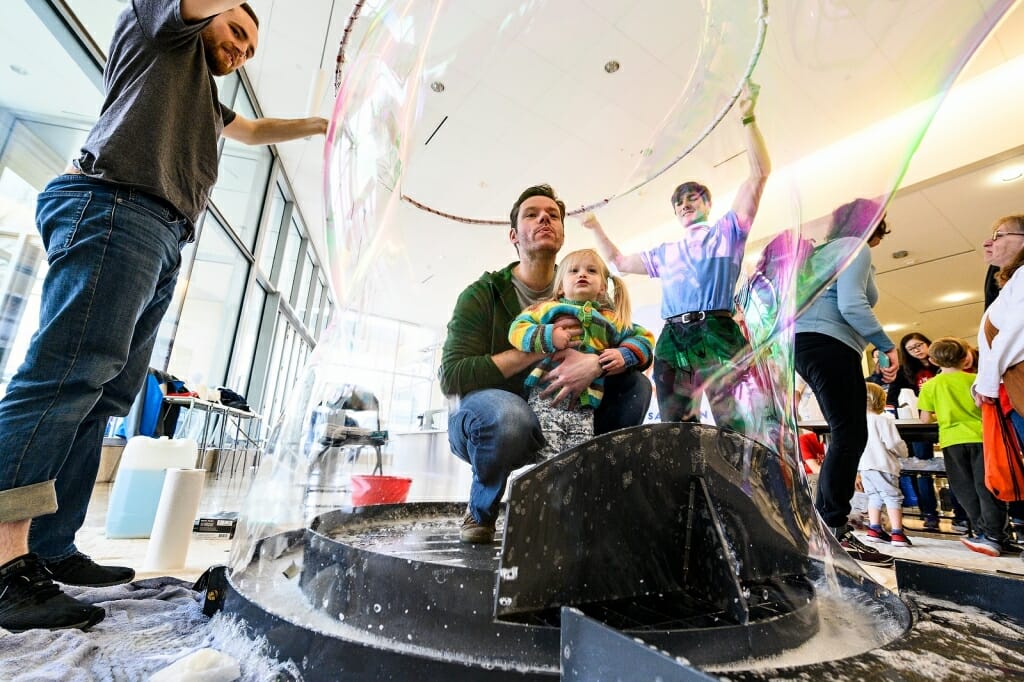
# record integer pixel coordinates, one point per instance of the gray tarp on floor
(149, 625)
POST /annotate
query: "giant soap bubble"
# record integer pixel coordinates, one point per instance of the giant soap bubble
(447, 110)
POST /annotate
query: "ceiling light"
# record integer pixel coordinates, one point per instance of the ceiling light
(955, 297)
(19, 69)
(611, 67)
(437, 86)
(900, 254)
(894, 327)
(1012, 173)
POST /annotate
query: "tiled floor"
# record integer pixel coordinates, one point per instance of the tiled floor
(439, 477)
(434, 478)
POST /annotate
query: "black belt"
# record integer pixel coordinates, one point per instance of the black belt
(698, 316)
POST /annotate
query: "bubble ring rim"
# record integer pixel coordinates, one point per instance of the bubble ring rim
(755, 55)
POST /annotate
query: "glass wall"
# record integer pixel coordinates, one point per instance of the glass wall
(47, 105)
(285, 272)
(205, 337)
(397, 361)
(252, 297)
(272, 229)
(242, 179)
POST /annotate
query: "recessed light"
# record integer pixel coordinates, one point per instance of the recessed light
(611, 67)
(1012, 173)
(437, 86)
(19, 69)
(900, 254)
(955, 297)
(894, 327)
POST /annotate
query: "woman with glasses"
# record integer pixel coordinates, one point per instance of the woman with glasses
(1001, 334)
(915, 369)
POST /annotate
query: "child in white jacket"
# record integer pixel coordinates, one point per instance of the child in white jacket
(880, 471)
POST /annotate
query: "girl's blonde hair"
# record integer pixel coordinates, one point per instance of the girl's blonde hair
(876, 398)
(621, 311)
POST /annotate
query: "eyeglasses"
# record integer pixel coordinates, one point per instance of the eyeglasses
(997, 235)
(911, 347)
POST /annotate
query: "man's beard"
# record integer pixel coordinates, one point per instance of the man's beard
(211, 52)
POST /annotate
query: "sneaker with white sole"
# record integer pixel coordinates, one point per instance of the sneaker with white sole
(900, 539)
(982, 545)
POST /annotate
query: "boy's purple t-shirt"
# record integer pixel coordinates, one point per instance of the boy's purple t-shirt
(699, 271)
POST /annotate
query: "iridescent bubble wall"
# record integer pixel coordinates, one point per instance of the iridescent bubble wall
(445, 111)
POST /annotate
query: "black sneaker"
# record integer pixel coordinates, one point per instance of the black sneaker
(78, 569)
(475, 533)
(858, 550)
(29, 600)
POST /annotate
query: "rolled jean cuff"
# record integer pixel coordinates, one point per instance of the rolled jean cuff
(28, 502)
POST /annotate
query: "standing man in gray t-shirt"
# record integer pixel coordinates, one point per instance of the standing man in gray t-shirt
(113, 226)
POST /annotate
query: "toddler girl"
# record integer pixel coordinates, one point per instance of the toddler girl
(581, 292)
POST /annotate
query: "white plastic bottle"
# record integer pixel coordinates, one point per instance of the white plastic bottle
(140, 479)
(907, 408)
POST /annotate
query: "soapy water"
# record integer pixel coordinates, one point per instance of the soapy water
(391, 166)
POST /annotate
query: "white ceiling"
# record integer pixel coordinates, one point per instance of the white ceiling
(544, 110)
(531, 103)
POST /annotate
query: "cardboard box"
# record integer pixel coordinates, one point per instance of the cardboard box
(220, 526)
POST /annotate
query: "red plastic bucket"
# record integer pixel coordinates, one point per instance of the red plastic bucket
(367, 489)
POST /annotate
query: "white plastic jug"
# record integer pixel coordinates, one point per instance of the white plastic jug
(140, 478)
(907, 407)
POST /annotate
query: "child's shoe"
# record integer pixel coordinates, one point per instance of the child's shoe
(877, 534)
(899, 539)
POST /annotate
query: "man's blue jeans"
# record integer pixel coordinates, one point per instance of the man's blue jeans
(114, 254)
(496, 432)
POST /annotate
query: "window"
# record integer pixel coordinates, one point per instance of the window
(49, 99)
(316, 303)
(39, 87)
(289, 259)
(397, 361)
(242, 181)
(268, 246)
(98, 17)
(302, 299)
(248, 329)
(206, 329)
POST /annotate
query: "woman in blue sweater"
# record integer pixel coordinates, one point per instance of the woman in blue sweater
(831, 335)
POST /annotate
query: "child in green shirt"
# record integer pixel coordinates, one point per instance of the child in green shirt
(947, 399)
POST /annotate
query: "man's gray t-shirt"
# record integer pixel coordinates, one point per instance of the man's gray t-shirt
(161, 119)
